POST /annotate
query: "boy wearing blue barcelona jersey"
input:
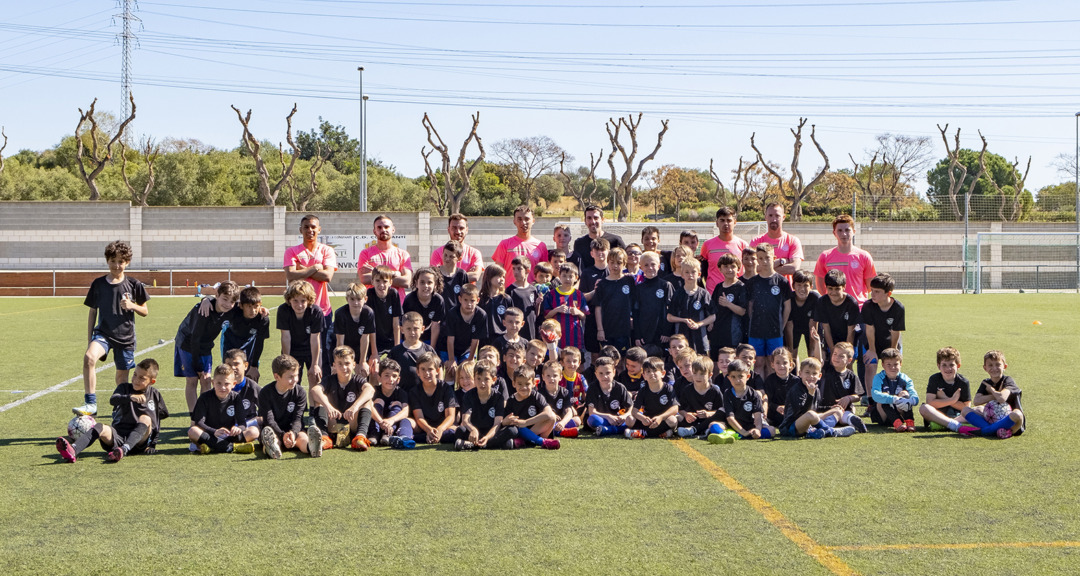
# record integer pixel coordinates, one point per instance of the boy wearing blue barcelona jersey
(567, 305)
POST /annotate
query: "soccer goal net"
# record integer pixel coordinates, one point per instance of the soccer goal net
(1026, 261)
(630, 232)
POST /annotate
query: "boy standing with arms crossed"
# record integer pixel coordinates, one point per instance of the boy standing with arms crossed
(114, 300)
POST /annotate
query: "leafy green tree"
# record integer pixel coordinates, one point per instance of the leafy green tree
(333, 143)
(1057, 197)
(985, 201)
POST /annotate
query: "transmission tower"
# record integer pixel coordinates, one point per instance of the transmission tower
(127, 40)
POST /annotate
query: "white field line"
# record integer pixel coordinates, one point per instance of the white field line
(59, 386)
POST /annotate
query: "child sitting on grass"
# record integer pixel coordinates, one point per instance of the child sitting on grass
(801, 411)
(655, 411)
(528, 412)
(482, 415)
(281, 406)
(219, 421)
(137, 412)
(894, 394)
(607, 402)
(433, 404)
(567, 420)
(947, 393)
(341, 404)
(996, 408)
(390, 421)
(746, 416)
(701, 406)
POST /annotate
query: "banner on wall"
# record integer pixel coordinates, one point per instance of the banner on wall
(348, 246)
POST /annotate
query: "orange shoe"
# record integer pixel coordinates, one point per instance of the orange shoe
(910, 425)
(569, 433)
(360, 443)
(327, 443)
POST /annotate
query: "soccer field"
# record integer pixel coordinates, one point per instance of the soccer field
(876, 503)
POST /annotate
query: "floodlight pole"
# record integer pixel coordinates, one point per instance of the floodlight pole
(363, 203)
(1076, 168)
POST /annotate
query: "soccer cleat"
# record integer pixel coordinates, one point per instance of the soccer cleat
(203, 449)
(667, 434)
(899, 426)
(243, 447)
(315, 445)
(568, 432)
(270, 443)
(634, 433)
(459, 444)
(402, 443)
(966, 430)
(722, 438)
(843, 431)
(858, 424)
(510, 444)
(384, 440)
(910, 425)
(65, 449)
(115, 455)
(935, 427)
(547, 444)
(519, 443)
(87, 409)
(1004, 433)
(360, 443)
(685, 432)
(815, 433)
(327, 443)
(341, 438)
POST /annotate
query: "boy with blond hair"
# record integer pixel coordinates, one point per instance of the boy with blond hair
(301, 321)
(354, 326)
(655, 411)
(690, 310)
(701, 406)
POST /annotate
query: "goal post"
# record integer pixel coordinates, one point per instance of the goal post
(1029, 261)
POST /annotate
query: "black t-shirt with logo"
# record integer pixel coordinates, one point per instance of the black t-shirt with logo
(385, 403)
(407, 358)
(433, 312)
(802, 314)
(653, 403)
(695, 306)
(937, 383)
(283, 412)
(463, 331)
(775, 390)
(560, 401)
(743, 407)
(526, 408)
(387, 312)
(113, 322)
(835, 385)
(799, 402)
(616, 298)
(690, 400)
(482, 415)
(354, 330)
(214, 412)
(767, 297)
(883, 321)
(452, 287)
(651, 300)
(527, 300)
(836, 319)
(433, 406)
(300, 329)
(614, 401)
(342, 397)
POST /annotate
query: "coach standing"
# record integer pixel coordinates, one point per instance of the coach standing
(594, 221)
(725, 242)
(315, 262)
(788, 251)
(385, 253)
(472, 262)
(522, 244)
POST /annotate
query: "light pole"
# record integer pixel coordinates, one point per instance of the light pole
(1076, 175)
(363, 159)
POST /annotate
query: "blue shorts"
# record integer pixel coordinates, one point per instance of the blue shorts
(123, 356)
(187, 366)
(765, 346)
(790, 431)
(460, 359)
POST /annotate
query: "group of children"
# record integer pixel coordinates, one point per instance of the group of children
(612, 350)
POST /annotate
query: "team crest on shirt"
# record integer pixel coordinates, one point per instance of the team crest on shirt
(708, 405)
(457, 289)
(491, 412)
(558, 404)
(360, 330)
(731, 298)
(748, 406)
(854, 263)
(847, 384)
(697, 305)
(625, 289)
(659, 292)
(247, 404)
(532, 411)
(889, 321)
(150, 405)
(291, 406)
(614, 404)
(775, 290)
(500, 310)
(845, 315)
(431, 315)
(390, 310)
(441, 407)
(252, 331)
(663, 400)
(472, 329)
(231, 410)
(308, 330)
(350, 397)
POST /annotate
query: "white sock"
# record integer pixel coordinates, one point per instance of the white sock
(845, 418)
(953, 425)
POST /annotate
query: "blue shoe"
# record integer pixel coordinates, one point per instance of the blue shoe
(815, 433)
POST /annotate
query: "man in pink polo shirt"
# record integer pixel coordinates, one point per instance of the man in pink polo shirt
(385, 253)
(316, 263)
(472, 262)
(787, 253)
(856, 264)
(523, 244)
(726, 242)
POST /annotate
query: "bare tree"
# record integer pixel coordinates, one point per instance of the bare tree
(750, 189)
(98, 158)
(624, 185)
(1009, 210)
(1065, 164)
(149, 153)
(958, 171)
(530, 157)
(269, 193)
(299, 199)
(902, 159)
(796, 186)
(581, 191)
(457, 178)
(4, 134)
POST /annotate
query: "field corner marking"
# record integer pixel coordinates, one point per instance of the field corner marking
(821, 554)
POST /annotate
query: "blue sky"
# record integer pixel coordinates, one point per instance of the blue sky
(719, 70)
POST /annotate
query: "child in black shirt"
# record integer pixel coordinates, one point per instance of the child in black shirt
(482, 414)
(248, 330)
(341, 404)
(433, 404)
(281, 406)
(219, 421)
(655, 411)
(301, 321)
(701, 406)
(354, 326)
(386, 305)
(528, 412)
(390, 421)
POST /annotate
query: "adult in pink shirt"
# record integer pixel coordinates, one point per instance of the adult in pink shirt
(385, 253)
(312, 261)
(856, 264)
(787, 253)
(522, 244)
(472, 262)
(726, 242)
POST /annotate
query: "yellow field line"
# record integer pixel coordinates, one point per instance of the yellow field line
(959, 546)
(39, 310)
(822, 554)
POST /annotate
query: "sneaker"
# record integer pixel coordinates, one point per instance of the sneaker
(966, 430)
(65, 449)
(203, 449)
(858, 424)
(568, 433)
(899, 425)
(722, 438)
(935, 427)
(315, 445)
(1005, 433)
(401, 442)
(327, 443)
(510, 444)
(459, 444)
(599, 430)
(466, 445)
(341, 437)
(634, 433)
(360, 443)
(243, 447)
(192, 447)
(910, 425)
(685, 432)
(844, 431)
(87, 409)
(270, 443)
(384, 440)
(115, 454)
(815, 433)
(547, 444)
(519, 443)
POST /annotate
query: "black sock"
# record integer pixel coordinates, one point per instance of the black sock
(88, 438)
(363, 421)
(205, 438)
(137, 436)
